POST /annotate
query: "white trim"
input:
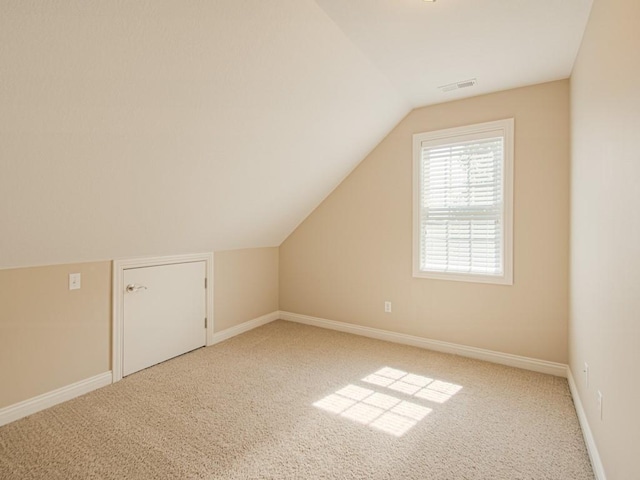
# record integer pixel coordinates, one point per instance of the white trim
(244, 327)
(542, 366)
(505, 128)
(592, 449)
(33, 405)
(119, 266)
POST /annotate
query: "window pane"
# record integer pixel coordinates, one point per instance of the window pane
(461, 205)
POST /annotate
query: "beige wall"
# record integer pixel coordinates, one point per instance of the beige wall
(605, 244)
(354, 251)
(51, 336)
(246, 285)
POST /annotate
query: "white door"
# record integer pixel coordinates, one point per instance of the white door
(164, 313)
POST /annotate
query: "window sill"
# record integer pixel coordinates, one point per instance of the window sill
(464, 277)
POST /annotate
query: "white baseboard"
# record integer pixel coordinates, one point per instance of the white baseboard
(33, 405)
(596, 462)
(41, 402)
(542, 366)
(244, 327)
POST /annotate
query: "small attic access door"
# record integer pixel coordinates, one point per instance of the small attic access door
(164, 313)
(161, 310)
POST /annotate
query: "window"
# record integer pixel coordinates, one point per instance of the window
(463, 203)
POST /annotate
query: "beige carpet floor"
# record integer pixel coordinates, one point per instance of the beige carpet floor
(288, 401)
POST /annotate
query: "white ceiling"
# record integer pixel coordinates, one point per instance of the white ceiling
(177, 126)
(505, 44)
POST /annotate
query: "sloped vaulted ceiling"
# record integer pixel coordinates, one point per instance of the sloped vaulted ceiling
(169, 126)
(134, 128)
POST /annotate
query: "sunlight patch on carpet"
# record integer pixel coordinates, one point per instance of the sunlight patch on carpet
(386, 410)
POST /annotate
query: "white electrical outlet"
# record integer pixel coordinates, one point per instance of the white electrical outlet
(586, 374)
(387, 307)
(74, 281)
(600, 403)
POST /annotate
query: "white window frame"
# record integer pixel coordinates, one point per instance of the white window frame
(504, 128)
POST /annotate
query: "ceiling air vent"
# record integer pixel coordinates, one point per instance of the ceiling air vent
(458, 85)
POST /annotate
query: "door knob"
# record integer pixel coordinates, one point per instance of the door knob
(132, 287)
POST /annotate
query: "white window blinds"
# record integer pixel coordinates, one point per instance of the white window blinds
(462, 221)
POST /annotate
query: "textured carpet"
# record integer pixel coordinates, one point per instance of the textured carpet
(290, 401)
